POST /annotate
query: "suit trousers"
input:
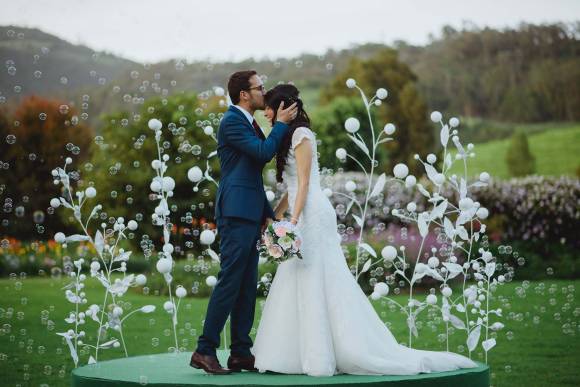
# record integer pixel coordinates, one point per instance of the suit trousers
(234, 294)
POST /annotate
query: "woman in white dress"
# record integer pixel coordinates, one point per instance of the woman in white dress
(316, 319)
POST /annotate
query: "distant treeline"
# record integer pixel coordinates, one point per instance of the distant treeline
(526, 74)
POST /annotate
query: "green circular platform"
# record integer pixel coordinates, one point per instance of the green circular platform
(171, 370)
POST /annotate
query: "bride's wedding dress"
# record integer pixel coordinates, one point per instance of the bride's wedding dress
(316, 319)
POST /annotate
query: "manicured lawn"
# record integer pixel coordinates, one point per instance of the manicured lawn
(556, 153)
(539, 354)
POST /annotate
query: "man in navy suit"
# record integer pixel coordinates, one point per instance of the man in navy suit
(241, 212)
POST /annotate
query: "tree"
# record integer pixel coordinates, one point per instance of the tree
(404, 106)
(519, 159)
(122, 159)
(44, 132)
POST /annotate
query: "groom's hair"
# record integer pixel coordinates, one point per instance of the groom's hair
(240, 80)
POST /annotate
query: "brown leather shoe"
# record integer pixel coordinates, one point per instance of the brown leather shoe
(209, 364)
(239, 363)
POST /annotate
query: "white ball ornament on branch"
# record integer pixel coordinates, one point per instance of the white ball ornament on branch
(90, 192)
(164, 265)
(207, 237)
(194, 174)
(350, 186)
(352, 125)
(436, 116)
(382, 93)
(350, 83)
(155, 124)
(401, 171)
(389, 253)
(389, 129)
(341, 153)
(211, 281)
(208, 130)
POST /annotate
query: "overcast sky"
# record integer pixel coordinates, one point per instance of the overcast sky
(149, 31)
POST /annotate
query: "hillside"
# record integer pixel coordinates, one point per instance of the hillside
(555, 150)
(526, 74)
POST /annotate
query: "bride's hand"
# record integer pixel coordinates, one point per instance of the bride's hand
(294, 221)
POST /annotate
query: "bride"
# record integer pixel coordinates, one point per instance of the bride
(316, 319)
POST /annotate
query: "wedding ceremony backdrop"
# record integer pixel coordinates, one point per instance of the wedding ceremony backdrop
(453, 167)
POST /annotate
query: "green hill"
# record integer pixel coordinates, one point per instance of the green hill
(556, 152)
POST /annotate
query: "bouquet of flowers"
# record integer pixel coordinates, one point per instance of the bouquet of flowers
(280, 242)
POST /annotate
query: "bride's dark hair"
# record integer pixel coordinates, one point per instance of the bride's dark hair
(273, 98)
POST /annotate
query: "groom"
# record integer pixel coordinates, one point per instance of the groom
(241, 211)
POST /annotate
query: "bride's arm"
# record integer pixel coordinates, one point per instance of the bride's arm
(303, 154)
(281, 207)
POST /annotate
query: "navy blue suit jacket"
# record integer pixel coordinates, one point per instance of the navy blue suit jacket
(242, 156)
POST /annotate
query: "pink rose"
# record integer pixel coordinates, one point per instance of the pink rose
(297, 244)
(281, 231)
(275, 251)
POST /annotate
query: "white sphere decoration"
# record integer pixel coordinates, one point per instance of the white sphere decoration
(207, 237)
(350, 186)
(270, 195)
(168, 248)
(340, 153)
(389, 253)
(156, 164)
(208, 130)
(454, 122)
(155, 124)
(132, 225)
(117, 311)
(389, 129)
(141, 280)
(168, 306)
(382, 93)
(54, 203)
(482, 213)
(410, 181)
(412, 207)
(68, 160)
(484, 176)
(180, 291)
(211, 281)
(327, 192)
(155, 185)
(446, 291)
(400, 171)
(501, 278)
(352, 125)
(433, 262)
(164, 265)
(431, 299)
(381, 288)
(465, 204)
(95, 266)
(90, 192)
(436, 116)
(375, 296)
(431, 158)
(165, 157)
(59, 237)
(350, 83)
(194, 174)
(168, 183)
(219, 91)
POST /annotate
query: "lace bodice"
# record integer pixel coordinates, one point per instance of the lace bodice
(290, 173)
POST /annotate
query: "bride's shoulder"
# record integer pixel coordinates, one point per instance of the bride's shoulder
(301, 133)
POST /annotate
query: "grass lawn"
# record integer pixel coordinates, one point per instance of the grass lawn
(556, 153)
(33, 310)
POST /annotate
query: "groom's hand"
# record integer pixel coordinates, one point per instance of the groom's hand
(287, 115)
